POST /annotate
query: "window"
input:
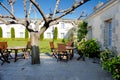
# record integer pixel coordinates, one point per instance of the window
(62, 35)
(21, 35)
(48, 35)
(62, 26)
(8, 35)
(108, 34)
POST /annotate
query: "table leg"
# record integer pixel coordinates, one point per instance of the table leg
(71, 55)
(16, 51)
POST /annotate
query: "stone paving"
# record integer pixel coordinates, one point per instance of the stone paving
(50, 69)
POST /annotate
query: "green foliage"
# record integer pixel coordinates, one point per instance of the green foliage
(106, 54)
(12, 33)
(42, 36)
(89, 48)
(55, 36)
(65, 40)
(82, 31)
(70, 37)
(81, 47)
(1, 32)
(111, 63)
(26, 34)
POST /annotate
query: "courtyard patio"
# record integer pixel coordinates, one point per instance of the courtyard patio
(50, 69)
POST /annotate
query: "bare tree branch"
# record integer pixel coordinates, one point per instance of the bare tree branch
(29, 9)
(11, 2)
(27, 22)
(8, 11)
(1, 16)
(82, 15)
(4, 21)
(76, 5)
(25, 10)
(56, 7)
(39, 9)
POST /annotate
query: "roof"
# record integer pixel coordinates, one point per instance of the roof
(109, 2)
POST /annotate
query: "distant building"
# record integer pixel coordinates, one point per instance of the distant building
(104, 25)
(63, 27)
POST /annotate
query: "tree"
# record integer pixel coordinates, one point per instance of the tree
(82, 31)
(12, 33)
(1, 32)
(26, 34)
(55, 34)
(48, 20)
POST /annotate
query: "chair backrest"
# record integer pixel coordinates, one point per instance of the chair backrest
(70, 43)
(51, 45)
(61, 47)
(3, 45)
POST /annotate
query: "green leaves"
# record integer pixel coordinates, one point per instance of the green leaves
(55, 34)
(111, 63)
(82, 31)
(12, 33)
(1, 32)
(26, 34)
(90, 48)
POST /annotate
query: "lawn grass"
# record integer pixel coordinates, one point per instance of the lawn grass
(44, 44)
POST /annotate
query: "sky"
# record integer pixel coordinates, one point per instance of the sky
(48, 7)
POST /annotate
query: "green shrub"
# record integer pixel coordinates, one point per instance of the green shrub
(1, 32)
(106, 54)
(81, 47)
(82, 30)
(111, 63)
(26, 34)
(55, 36)
(12, 33)
(90, 48)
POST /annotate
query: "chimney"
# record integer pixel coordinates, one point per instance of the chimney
(98, 5)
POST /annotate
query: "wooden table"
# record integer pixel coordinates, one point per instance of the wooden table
(70, 51)
(16, 48)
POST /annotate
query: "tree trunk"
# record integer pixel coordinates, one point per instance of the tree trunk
(34, 38)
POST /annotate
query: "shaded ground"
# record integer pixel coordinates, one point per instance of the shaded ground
(50, 69)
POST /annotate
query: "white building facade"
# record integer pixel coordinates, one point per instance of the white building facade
(63, 28)
(104, 25)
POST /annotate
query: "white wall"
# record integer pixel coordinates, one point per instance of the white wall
(97, 22)
(21, 29)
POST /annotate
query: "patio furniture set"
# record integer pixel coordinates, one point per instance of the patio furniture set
(5, 52)
(63, 52)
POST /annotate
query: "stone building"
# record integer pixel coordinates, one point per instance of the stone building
(104, 25)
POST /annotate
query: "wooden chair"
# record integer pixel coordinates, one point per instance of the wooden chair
(53, 49)
(70, 43)
(4, 52)
(62, 52)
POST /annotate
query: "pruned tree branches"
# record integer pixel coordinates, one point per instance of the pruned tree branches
(72, 8)
(13, 17)
(11, 2)
(39, 9)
